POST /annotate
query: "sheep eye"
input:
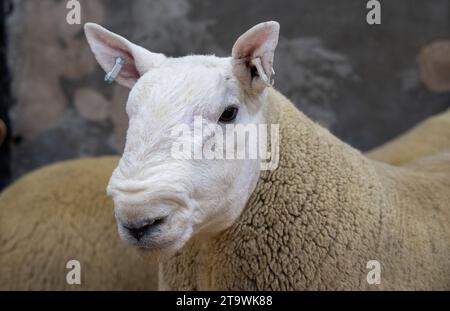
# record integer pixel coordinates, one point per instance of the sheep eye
(229, 114)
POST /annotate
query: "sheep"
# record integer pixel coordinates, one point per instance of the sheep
(61, 213)
(317, 219)
(427, 138)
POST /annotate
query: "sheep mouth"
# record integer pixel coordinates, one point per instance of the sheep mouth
(158, 238)
(163, 244)
(150, 243)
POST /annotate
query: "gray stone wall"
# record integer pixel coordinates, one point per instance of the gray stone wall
(360, 81)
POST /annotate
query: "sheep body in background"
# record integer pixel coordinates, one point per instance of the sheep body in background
(61, 213)
(429, 137)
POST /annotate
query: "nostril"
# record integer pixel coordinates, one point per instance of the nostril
(139, 232)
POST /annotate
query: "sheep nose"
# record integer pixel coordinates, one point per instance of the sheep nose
(138, 232)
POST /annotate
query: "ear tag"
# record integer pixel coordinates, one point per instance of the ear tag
(272, 78)
(262, 74)
(114, 72)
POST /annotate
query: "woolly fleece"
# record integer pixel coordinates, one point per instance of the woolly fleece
(61, 212)
(427, 138)
(315, 222)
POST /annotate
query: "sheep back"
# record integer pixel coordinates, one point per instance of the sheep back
(427, 138)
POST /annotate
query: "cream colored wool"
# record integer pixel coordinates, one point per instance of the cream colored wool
(427, 138)
(61, 212)
(315, 222)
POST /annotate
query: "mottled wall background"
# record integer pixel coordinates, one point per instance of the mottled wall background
(360, 81)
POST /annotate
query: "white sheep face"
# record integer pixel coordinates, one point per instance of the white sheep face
(161, 200)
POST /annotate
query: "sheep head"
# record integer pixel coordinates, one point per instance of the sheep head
(167, 187)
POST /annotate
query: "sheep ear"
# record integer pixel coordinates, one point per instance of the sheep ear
(107, 46)
(252, 55)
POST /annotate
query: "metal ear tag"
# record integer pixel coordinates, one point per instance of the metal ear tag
(262, 74)
(272, 78)
(114, 72)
